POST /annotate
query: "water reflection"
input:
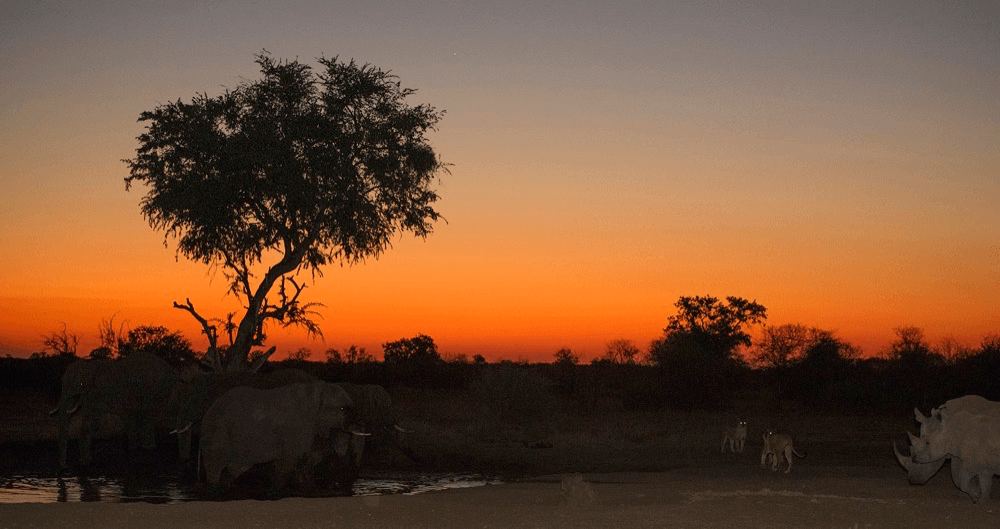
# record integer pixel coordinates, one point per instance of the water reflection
(27, 488)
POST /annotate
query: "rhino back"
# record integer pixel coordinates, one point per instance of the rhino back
(978, 438)
(974, 404)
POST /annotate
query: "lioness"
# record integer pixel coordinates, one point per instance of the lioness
(736, 436)
(777, 445)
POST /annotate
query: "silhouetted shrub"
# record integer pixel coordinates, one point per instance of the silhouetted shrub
(512, 393)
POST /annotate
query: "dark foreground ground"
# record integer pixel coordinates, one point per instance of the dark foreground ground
(645, 469)
(716, 496)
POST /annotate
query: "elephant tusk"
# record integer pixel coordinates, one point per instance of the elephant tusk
(54, 411)
(401, 429)
(72, 410)
(362, 434)
(182, 430)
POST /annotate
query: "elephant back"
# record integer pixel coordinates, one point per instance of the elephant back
(140, 382)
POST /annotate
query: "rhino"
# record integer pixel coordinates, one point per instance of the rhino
(965, 430)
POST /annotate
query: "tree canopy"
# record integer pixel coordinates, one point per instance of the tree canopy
(287, 174)
(169, 345)
(698, 348)
(419, 350)
(714, 327)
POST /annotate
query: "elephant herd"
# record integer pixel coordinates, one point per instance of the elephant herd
(299, 432)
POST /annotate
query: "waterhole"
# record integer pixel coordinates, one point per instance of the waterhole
(166, 488)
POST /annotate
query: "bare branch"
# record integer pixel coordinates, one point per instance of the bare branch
(261, 358)
(212, 356)
(63, 343)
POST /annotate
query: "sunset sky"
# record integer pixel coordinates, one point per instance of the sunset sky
(837, 162)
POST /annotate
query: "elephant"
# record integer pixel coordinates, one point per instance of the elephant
(135, 388)
(294, 429)
(373, 413)
(194, 394)
(965, 430)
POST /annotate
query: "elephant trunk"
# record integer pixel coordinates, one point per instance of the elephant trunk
(63, 413)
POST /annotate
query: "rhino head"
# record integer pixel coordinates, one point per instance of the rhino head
(917, 473)
(934, 441)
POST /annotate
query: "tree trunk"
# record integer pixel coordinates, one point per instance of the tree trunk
(238, 355)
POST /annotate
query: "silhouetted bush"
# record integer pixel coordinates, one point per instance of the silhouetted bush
(512, 393)
(38, 375)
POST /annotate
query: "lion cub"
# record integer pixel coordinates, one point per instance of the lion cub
(736, 436)
(777, 445)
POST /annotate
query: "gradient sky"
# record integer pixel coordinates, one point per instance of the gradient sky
(838, 163)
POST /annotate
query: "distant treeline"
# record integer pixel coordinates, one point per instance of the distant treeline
(830, 384)
(704, 360)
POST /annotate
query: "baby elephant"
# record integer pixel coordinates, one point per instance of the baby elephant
(736, 436)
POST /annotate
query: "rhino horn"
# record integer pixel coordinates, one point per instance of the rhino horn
(920, 416)
(903, 460)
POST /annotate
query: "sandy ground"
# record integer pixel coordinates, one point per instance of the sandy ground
(742, 496)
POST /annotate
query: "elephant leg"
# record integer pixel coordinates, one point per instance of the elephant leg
(184, 445)
(147, 432)
(87, 431)
(285, 473)
(131, 431)
(63, 442)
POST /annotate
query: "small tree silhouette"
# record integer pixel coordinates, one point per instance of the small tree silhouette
(419, 350)
(61, 343)
(171, 346)
(622, 351)
(566, 356)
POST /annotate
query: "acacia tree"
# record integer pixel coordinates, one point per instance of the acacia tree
(782, 345)
(621, 351)
(716, 328)
(697, 351)
(419, 350)
(284, 175)
(171, 346)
